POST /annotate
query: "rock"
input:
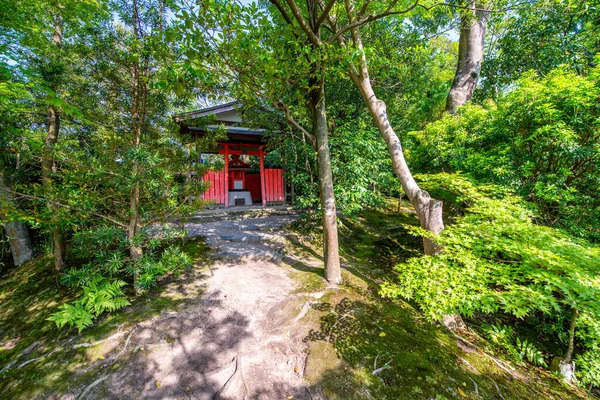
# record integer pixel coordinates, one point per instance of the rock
(565, 369)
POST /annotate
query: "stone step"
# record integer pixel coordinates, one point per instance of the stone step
(237, 215)
(245, 255)
(243, 238)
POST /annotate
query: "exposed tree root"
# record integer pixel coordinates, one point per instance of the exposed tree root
(38, 358)
(478, 373)
(514, 374)
(235, 388)
(91, 386)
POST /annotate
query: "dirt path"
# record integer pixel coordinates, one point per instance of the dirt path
(239, 340)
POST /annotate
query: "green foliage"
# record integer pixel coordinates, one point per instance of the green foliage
(527, 351)
(99, 295)
(540, 140)
(497, 260)
(540, 35)
(173, 260)
(520, 350)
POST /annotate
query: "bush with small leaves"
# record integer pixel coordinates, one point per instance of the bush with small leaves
(495, 259)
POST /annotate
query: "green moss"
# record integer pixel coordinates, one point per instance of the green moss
(366, 332)
(29, 294)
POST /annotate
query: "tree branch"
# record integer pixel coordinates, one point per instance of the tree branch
(326, 9)
(114, 221)
(303, 24)
(296, 125)
(362, 21)
(282, 11)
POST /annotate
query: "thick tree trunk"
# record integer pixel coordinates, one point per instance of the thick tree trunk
(330, 232)
(48, 158)
(15, 231)
(470, 57)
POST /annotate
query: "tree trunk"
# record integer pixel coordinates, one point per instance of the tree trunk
(16, 231)
(330, 232)
(565, 365)
(135, 251)
(48, 158)
(470, 57)
(428, 210)
(138, 115)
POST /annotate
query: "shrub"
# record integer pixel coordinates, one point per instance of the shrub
(496, 260)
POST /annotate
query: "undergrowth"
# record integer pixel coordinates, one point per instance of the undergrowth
(387, 349)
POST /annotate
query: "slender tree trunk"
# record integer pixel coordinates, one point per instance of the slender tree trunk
(330, 232)
(428, 210)
(15, 231)
(135, 251)
(565, 365)
(470, 57)
(138, 116)
(48, 158)
(320, 130)
(569, 355)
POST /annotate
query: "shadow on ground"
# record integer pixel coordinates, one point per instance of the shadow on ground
(384, 349)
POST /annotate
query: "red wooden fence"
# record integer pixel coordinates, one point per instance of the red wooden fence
(253, 186)
(216, 190)
(274, 185)
(274, 190)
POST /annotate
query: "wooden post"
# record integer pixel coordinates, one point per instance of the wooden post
(263, 190)
(226, 176)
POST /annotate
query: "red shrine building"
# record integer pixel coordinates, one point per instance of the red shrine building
(237, 184)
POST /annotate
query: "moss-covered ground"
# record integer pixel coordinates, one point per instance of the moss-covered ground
(360, 346)
(39, 361)
(365, 346)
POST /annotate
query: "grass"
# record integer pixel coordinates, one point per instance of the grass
(358, 332)
(29, 294)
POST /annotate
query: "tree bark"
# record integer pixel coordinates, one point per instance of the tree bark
(48, 158)
(429, 210)
(15, 231)
(320, 129)
(138, 115)
(330, 233)
(470, 57)
(565, 365)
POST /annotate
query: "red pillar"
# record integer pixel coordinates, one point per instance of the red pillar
(262, 177)
(226, 175)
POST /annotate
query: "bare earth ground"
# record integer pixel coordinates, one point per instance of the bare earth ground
(240, 338)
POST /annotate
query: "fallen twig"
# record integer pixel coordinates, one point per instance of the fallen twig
(126, 344)
(334, 325)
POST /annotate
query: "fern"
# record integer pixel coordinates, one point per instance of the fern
(99, 296)
(527, 351)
